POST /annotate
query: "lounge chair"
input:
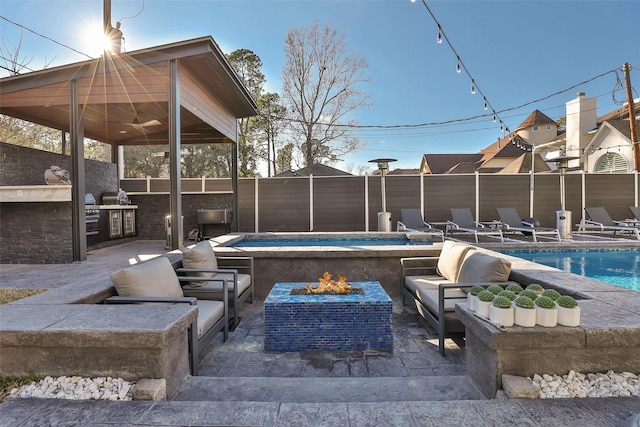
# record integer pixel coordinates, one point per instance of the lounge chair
(412, 221)
(510, 221)
(600, 221)
(635, 219)
(462, 220)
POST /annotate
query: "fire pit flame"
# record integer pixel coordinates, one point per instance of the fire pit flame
(326, 284)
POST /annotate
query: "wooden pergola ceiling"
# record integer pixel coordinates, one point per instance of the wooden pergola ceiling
(124, 100)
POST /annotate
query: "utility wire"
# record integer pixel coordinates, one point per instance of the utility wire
(45, 37)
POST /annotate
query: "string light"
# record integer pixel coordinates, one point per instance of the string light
(460, 66)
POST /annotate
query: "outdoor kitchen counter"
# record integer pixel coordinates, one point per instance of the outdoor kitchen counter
(35, 193)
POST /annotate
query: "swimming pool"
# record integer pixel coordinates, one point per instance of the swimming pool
(620, 267)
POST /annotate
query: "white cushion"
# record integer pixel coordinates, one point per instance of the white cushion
(200, 256)
(482, 267)
(425, 289)
(209, 312)
(153, 278)
(451, 258)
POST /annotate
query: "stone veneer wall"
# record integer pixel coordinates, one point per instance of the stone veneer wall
(40, 232)
(153, 208)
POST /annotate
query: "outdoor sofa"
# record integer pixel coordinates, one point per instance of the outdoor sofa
(436, 284)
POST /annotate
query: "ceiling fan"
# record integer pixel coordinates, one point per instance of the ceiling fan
(141, 127)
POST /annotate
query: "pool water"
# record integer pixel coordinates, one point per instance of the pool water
(251, 242)
(620, 267)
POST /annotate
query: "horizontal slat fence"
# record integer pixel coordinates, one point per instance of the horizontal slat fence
(351, 203)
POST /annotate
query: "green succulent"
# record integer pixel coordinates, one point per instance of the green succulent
(551, 293)
(545, 302)
(475, 290)
(514, 287)
(529, 294)
(501, 302)
(566, 301)
(485, 296)
(495, 289)
(535, 288)
(508, 294)
(524, 302)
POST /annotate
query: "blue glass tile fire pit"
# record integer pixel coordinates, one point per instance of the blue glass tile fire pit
(330, 322)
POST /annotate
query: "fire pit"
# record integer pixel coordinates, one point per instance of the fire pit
(328, 322)
(326, 285)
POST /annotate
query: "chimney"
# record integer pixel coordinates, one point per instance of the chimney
(581, 118)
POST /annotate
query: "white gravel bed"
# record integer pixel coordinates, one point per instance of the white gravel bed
(76, 388)
(575, 384)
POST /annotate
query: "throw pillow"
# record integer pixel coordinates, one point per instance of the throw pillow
(153, 278)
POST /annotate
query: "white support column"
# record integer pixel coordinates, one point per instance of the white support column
(583, 184)
(175, 196)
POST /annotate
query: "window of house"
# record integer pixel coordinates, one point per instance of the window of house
(548, 127)
(536, 128)
(611, 163)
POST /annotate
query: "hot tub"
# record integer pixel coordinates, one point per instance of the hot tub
(361, 257)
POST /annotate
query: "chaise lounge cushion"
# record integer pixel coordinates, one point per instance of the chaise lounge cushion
(153, 278)
(481, 267)
(209, 312)
(451, 258)
(200, 256)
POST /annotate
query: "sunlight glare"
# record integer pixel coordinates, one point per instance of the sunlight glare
(94, 40)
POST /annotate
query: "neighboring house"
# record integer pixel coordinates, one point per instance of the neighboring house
(401, 171)
(316, 169)
(600, 144)
(510, 154)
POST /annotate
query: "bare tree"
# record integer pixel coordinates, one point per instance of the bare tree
(321, 81)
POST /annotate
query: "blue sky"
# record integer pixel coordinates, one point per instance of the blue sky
(517, 52)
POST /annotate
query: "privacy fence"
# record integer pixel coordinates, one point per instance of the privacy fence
(352, 203)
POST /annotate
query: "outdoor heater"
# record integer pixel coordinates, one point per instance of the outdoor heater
(384, 217)
(563, 216)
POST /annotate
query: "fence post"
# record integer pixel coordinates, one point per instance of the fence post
(310, 202)
(422, 194)
(366, 203)
(477, 215)
(255, 206)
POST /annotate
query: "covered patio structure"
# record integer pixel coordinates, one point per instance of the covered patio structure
(179, 93)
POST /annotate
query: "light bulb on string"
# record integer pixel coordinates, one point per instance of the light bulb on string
(494, 118)
(486, 105)
(439, 36)
(473, 87)
(458, 68)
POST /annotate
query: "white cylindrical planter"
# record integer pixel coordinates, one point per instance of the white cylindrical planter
(525, 317)
(482, 308)
(569, 316)
(547, 317)
(472, 300)
(501, 316)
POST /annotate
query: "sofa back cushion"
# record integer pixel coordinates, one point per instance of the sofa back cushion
(200, 256)
(481, 267)
(153, 278)
(451, 258)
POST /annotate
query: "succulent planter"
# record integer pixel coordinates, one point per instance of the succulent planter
(547, 317)
(472, 301)
(525, 316)
(482, 308)
(484, 302)
(569, 316)
(502, 316)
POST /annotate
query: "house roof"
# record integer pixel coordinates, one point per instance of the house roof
(118, 92)
(316, 169)
(504, 147)
(523, 164)
(400, 171)
(536, 118)
(446, 163)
